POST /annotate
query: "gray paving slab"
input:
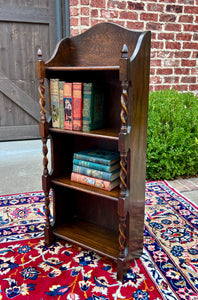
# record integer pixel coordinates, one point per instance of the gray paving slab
(20, 166)
(191, 195)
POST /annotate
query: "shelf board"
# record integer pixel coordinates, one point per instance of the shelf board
(104, 133)
(83, 68)
(66, 182)
(93, 237)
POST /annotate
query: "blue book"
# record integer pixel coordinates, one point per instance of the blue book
(96, 173)
(99, 156)
(92, 165)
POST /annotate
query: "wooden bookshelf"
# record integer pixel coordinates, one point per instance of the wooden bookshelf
(83, 68)
(104, 133)
(91, 236)
(110, 223)
(66, 182)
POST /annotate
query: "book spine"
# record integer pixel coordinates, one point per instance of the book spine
(97, 109)
(67, 103)
(101, 161)
(92, 173)
(54, 93)
(91, 165)
(61, 115)
(77, 106)
(98, 183)
(87, 103)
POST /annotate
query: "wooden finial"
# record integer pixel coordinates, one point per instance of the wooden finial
(40, 65)
(124, 51)
(39, 54)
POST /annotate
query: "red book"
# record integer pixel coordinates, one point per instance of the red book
(67, 105)
(77, 106)
(95, 182)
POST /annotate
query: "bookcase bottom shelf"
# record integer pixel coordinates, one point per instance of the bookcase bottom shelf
(90, 236)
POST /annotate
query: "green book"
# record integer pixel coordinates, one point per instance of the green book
(92, 165)
(93, 106)
(61, 115)
(99, 156)
(54, 93)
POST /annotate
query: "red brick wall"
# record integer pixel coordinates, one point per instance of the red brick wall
(174, 27)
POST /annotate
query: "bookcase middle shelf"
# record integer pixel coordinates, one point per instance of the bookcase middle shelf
(65, 181)
(104, 133)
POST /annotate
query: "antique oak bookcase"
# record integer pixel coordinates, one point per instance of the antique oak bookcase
(109, 223)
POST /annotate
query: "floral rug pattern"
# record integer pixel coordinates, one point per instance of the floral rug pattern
(168, 268)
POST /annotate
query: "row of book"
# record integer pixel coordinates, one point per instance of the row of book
(77, 105)
(97, 167)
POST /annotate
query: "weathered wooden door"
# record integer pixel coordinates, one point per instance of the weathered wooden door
(25, 26)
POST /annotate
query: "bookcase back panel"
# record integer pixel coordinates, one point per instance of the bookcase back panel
(100, 45)
(97, 210)
(61, 154)
(64, 205)
(63, 147)
(71, 204)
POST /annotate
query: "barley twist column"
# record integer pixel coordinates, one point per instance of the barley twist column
(43, 125)
(123, 151)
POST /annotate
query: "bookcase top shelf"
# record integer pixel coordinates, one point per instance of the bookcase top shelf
(83, 68)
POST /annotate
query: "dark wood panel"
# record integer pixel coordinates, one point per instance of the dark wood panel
(90, 48)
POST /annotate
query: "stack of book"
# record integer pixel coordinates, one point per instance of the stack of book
(77, 105)
(97, 167)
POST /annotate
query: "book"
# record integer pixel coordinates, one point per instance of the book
(61, 116)
(109, 176)
(92, 165)
(95, 182)
(99, 156)
(77, 106)
(67, 104)
(93, 116)
(54, 94)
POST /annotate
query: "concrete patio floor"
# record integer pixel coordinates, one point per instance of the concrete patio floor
(21, 169)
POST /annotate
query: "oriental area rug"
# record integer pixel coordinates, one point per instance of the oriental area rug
(168, 268)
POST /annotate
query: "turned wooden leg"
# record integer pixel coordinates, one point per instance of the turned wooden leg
(43, 126)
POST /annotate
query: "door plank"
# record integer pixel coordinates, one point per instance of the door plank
(11, 133)
(18, 96)
(25, 15)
